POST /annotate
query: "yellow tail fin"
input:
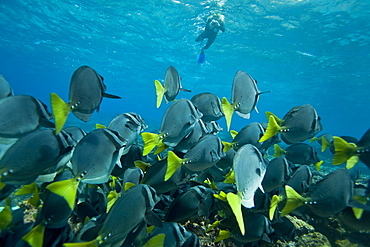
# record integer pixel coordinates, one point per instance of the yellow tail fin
(228, 111)
(6, 215)
(112, 197)
(274, 202)
(159, 90)
(293, 200)
(278, 120)
(222, 235)
(160, 147)
(324, 144)
(318, 165)
(227, 146)
(235, 202)
(100, 126)
(92, 243)
(351, 162)
(273, 128)
(278, 151)
(60, 111)
(150, 141)
(156, 241)
(173, 163)
(66, 189)
(35, 237)
(233, 133)
(230, 177)
(343, 150)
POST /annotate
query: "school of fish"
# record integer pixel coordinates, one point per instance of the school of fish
(127, 187)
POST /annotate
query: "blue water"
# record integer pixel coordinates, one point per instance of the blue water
(306, 52)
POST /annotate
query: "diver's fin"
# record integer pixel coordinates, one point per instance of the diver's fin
(202, 56)
(293, 201)
(150, 141)
(278, 151)
(228, 111)
(222, 235)
(173, 163)
(274, 202)
(343, 150)
(111, 96)
(60, 111)
(235, 202)
(273, 129)
(35, 237)
(159, 90)
(66, 189)
(227, 146)
(156, 241)
(351, 162)
(318, 165)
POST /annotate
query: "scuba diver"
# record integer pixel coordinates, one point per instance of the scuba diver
(214, 24)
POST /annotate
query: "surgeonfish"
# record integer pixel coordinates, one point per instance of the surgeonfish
(249, 169)
(178, 121)
(32, 154)
(171, 87)
(5, 89)
(125, 217)
(350, 152)
(92, 161)
(299, 124)
(249, 134)
(209, 105)
(86, 92)
(277, 172)
(22, 114)
(299, 153)
(204, 154)
(244, 99)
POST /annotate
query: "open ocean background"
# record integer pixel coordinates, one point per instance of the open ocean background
(304, 51)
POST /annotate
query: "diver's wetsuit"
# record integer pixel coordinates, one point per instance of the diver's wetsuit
(213, 25)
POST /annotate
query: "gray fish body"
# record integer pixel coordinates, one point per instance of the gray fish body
(332, 194)
(172, 84)
(178, 121)
(188, 142)
(96, 154)
(213, 128)
(245, 94)
(128, 126)
(21, 114)
(249, 169)
(127, 212)
(300, 179)
(5, 89)
(276, 174)
(302, 123)
(257, 227)
(301, 153)
(209, 105)
(204, 154)
(250, 134)
(86, 92)
(33, 154)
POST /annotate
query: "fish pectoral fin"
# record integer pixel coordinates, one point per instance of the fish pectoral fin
(293, 201)
(228, 110)
(66, 189)
(150, 141)
(156, 241)
(60, 111)
(173, 163)
(35, 237)
(159, 90)
(273, 129)
(343, 150)
(235, 202)
(111, 96)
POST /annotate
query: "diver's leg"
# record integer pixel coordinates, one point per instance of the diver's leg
(210, 41)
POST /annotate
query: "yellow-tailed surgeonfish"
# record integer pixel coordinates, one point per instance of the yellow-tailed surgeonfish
(209, 105)
(86, 92)
(171, 87)
(244, 97)
(178, 121)
(299, 124)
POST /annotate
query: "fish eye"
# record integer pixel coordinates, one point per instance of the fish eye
(258, 171)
